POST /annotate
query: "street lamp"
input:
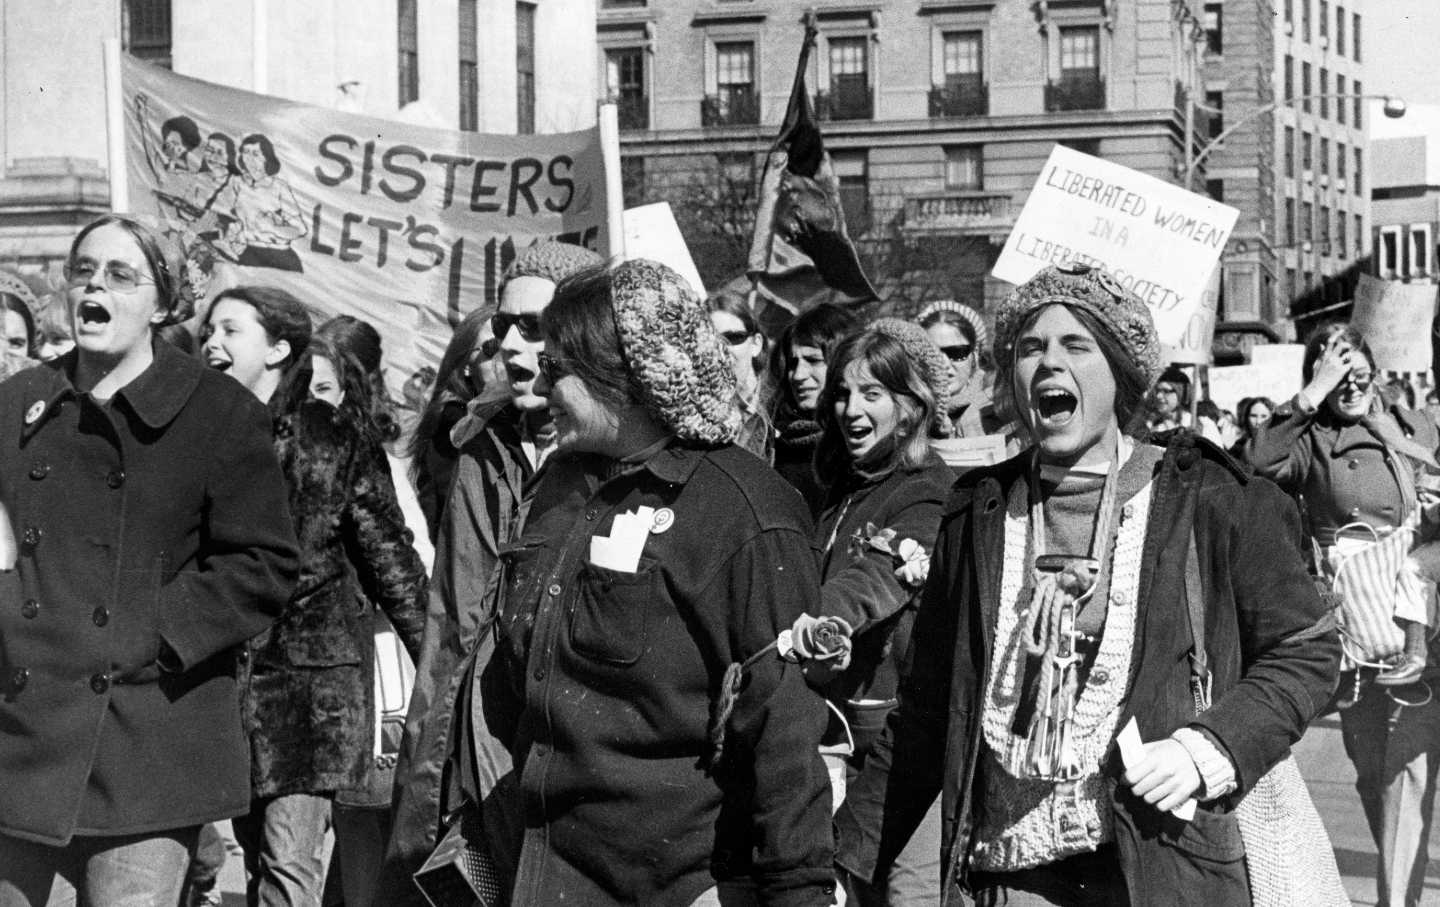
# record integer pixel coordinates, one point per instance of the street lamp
(1394, 109)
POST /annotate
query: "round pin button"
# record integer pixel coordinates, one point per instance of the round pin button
(664, 518)
(36, 410)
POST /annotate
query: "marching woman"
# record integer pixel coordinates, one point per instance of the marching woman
(154, 539)
(308, 693)
(1057, 612)
(656, 560)
(884, 397)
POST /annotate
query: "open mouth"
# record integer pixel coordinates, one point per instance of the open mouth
(93, 313)
(855, 434)
(1056, 406)
(518, 373)
(220, 365)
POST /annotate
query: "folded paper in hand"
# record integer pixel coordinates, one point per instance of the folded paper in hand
(1132, 753)
(621, 549)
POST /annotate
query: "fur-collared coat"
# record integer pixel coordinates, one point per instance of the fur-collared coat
(309, 690)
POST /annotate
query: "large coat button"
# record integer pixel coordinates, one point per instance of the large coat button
(32, 535)
(116, 478)
(99, 683)
(18, 678)
(30, 609)
(39, 469)
(101, 616)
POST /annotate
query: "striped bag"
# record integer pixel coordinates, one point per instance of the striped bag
(1370, 575)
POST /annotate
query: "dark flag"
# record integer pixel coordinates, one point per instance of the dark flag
(801, 253)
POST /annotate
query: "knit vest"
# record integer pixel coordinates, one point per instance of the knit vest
(1026, 822)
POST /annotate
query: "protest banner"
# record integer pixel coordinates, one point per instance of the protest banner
(651, 232)
(1158, 240)
(1395, 319)
(407, 227)
(1274, 372)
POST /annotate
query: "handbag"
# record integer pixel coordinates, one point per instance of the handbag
(1288, 855)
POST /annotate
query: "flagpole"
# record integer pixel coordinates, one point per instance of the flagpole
(614, 185)
(115, 128)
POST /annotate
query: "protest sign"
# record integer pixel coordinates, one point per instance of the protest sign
(407, 227)
(1274, 372)
(1395, 319)
(1158, 240)
(651, 232)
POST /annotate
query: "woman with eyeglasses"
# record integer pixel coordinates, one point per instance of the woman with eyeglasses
(1355, 464)
(735, 323)
(154, 539)
(799, 365)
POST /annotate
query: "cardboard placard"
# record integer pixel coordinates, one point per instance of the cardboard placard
(1395, 319)
(651, 232)
(1158, 240)
(1274, 372)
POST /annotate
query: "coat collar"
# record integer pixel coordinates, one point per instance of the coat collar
(160, 392)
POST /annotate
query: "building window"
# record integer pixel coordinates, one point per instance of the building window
(965, 167)
(1419, 250)
(1289, 11)
(1355, 184)
(1340, 164)
(852, 169)
(1305, 86)
(1305, 20)
(1080, 86)
(1324, 18)
(1359, 105)
(1389, 251)
(625, 85)
(1307, 222)
(1291, 291)
(1289, 77)
(145, 30)
(735, 101)
(622, 4)
(469, 68)
(1341, 242)
(409, 58)
(1340, 99)
(1214, 28)
(962, 64)
(1307, 160)
(1340, 30)
(1215, 189)
(1324, 156)
(1215, 100)
(525, 68)
(1084, 146)
(1324, 93)
(1359, 236)
(632, 180)
(1325, 227)
(1290, 151)
(849, 97)
(1289, 221)
(1355, 36)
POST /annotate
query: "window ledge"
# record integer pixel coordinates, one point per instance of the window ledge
(730, 12)
(930, 7)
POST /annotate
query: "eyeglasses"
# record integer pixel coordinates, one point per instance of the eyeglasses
(552, 368)
(957, 352)
(735, 338)
(119, 276)
(529, 325)
(1360, 382)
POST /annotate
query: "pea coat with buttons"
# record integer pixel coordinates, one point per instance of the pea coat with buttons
(154, 538)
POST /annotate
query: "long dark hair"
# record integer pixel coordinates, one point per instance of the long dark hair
(902, 378)
(455, 381)
(354, 349)
(9, 302)
(822, 327)
(579, 327)
(284, 318)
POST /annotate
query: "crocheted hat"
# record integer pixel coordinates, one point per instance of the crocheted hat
(678, 361)
(934, 366)
(9, 283)
(976, 321)
(552, 261)
(1121, 312)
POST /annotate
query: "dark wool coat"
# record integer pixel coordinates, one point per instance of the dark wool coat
(1273, 649)
(309, 698)
(489, 476)
(155, 540)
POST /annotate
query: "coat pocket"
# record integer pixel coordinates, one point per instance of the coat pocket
(520, 576)
(609, 621)
(1210, 836)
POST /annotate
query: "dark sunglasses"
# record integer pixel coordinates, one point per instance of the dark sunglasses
(1360, 382)
(735, 338)
(957, 352)
(529, 325)
(552, 368)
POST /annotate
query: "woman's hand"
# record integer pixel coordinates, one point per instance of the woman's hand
(1166, 777)
(1330, 369)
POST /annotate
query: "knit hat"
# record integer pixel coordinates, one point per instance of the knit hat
(9, 283)
(934, 366)
(976, 321)
(1122, 313)
(679, 363)
(552, 261)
